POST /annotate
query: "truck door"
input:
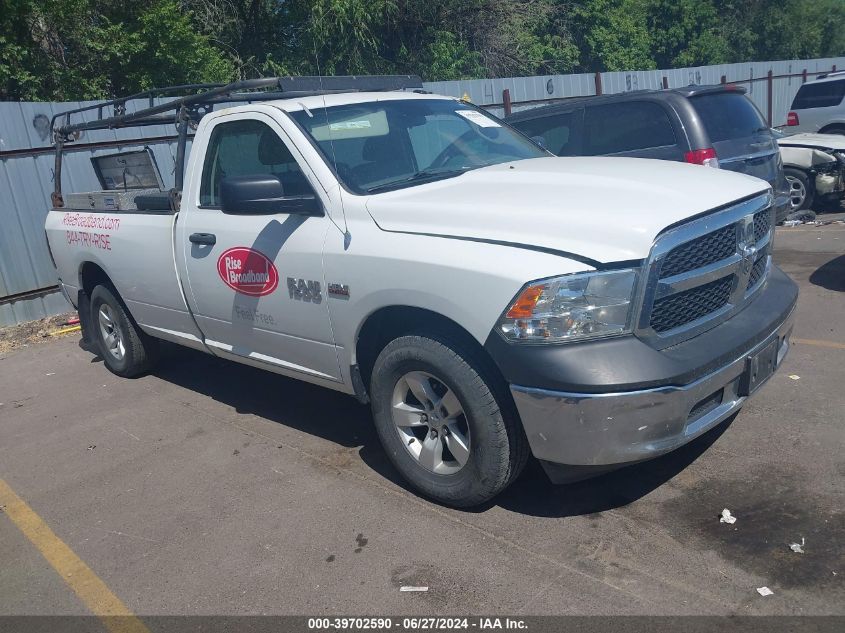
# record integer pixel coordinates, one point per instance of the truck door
(255, 282)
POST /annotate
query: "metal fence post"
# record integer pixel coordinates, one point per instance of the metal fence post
(770, 98)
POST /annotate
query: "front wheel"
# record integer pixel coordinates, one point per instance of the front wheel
(445, 424)
(801, 192)
(124, 348)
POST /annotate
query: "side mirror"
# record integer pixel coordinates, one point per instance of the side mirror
(540, 141)
(264, 194)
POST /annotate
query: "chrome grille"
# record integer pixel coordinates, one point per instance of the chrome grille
(762, 224)
(700, 273)
(757, 272)
(702, 251)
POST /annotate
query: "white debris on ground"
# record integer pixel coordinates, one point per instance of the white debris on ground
(765, 591)
(798, 548)
(408, 588)
(807, 218)
(794, 377)
(727, 517)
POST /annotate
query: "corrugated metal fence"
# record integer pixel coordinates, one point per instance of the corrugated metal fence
(27, 277)
(783, 77)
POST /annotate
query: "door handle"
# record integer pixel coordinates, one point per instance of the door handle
(203, 238)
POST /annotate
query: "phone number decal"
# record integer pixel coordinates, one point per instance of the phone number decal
(89, 240)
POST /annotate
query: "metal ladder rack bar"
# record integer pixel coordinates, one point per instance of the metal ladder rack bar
(192, 107)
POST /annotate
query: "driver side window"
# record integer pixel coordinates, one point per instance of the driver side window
(247, 148)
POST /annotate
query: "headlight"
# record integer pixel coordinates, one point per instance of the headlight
(571, 307)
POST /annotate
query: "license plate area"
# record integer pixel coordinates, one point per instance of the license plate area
(758, 368)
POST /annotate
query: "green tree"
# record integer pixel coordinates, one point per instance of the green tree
(163, 49)
(613, 35)
(90, 49)
(85, 49)
(343, 36)
(790, 29)
(686, 33)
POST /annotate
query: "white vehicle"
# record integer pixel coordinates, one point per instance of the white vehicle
(818, 106)
(415, 252)
(814, 166)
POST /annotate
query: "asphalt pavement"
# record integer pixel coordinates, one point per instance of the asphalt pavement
(209, 487)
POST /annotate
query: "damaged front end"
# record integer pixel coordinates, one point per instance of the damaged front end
(830, 174)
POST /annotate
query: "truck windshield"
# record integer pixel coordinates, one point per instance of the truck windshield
(386, 145)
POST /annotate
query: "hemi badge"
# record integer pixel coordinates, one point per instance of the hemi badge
(339, 291)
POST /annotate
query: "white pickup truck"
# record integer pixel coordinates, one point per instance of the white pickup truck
(490, 300)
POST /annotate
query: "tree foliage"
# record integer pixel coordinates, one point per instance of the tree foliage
(85, 49)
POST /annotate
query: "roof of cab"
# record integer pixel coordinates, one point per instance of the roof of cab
(295, 104)
(313, 102)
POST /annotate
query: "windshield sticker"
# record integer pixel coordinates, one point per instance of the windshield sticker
(361, 124)
(248, 271)
(350, 125)
(477, 118)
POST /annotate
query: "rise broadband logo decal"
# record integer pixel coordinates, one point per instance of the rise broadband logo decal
(248, 271)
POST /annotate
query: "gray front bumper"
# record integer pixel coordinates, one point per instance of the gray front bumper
(607, 429)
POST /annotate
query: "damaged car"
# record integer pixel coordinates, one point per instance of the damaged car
(814, 166)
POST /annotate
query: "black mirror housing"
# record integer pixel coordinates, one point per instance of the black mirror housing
(264, 194)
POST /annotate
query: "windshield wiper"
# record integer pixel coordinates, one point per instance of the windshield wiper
(429, 175)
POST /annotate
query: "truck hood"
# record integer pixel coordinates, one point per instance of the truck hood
(601, 209)
(819, 141)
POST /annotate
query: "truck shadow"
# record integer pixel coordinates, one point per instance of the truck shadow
(532, 494)
(830, 275)
(320, 412)
(341, 420)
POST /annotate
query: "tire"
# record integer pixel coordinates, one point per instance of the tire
(833, 129)
(126, 351)
(461, 409)
(801, 191)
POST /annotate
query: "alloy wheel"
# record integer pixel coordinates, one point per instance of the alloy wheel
(110, 331)
(431, 423)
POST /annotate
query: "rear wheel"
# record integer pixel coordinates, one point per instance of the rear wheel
(124, 348)
(446, 425)
(834, 129)
(801, 192)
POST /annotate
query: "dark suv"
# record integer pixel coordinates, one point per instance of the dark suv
(715, 126)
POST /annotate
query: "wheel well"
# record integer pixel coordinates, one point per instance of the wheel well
(836, 128)
(387, 324)
(91, 276)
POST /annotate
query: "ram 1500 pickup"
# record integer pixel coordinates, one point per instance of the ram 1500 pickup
(489, 300)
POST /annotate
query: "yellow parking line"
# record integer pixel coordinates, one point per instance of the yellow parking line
(116, 617)
(818, 343)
